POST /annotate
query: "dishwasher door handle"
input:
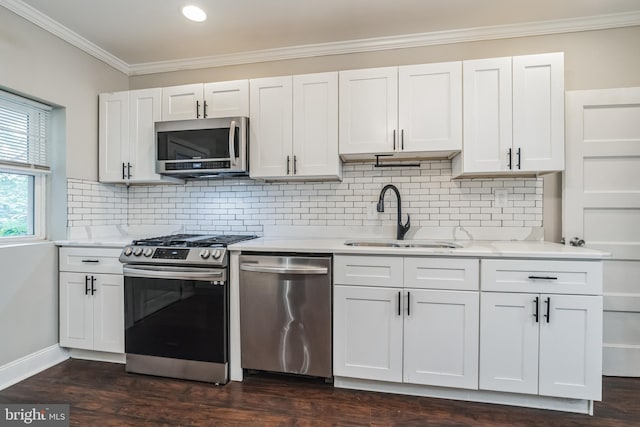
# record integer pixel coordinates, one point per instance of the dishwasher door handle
(283, 270)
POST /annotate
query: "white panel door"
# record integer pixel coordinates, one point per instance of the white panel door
(76, 311)
(441, 338)
(601, 205)
(108, 311)
(430, 107)
(271, 127)
(227, 99)
(184, 102)
(367, 333)
(487, 106)
(113, 136)
(315, 125)
(571, 346)
(369, 111)
(145, 110)
(509, 342)
(538, 112)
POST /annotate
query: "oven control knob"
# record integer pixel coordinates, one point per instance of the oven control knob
(217, 254)
(128, 251)
(204, 254)
(148, 252)
(137, 251)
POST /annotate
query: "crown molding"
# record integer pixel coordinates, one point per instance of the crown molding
(527, 29)
(54, 27)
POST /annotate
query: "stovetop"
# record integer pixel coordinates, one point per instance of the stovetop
(193, 240)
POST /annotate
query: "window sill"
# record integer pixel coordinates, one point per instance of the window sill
(24, 241)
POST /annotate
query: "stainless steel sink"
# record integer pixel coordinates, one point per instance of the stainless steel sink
(403, 244)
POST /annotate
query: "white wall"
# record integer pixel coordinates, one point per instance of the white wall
(28, 299)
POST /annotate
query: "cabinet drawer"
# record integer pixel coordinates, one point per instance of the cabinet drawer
(542, 276)
(368, 271)
(441, 273)
(90, 260)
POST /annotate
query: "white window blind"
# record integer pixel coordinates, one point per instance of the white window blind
(23, 132)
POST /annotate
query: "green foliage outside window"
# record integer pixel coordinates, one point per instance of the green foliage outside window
(14, 204)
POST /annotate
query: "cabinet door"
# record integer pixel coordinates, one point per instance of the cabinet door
(182, 102)
(145, 106)
(367, 333)
(509, 345)
(227, 99)
(76, 311)
(571, 346)
(538, 111)
(488, 130)
(441, 338)
(315, 125)
(108, 313)
(369, 111)
(430, 107)
(113, 136)
(271, 127)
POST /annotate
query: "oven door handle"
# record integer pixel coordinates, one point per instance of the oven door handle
(283, 270)
(173, 273)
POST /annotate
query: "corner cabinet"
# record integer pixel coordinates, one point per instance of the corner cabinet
(406, 320)
(206, 100)
(91, 299)
(541, 328)
(513, 115)
(126, 137)
(294, 127)
(401, 111)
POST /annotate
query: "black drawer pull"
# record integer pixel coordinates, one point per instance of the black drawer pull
(543, 278)
(537, 302)
(91, 260)
(399, 304)
(548, 315)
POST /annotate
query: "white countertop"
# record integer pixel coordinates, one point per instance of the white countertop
(471, 248)
(99, 242)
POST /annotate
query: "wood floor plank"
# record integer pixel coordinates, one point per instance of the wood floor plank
(103, 394)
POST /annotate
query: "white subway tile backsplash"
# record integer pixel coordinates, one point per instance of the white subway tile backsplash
(242, 205)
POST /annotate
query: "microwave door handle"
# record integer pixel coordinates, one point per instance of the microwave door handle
(232, 143)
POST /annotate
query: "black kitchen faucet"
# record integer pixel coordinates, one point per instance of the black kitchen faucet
(402, 229)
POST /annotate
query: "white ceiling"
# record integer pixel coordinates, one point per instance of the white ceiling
(139, 32)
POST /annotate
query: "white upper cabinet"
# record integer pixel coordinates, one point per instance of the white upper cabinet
(294, 127)
(369, 111)
(126, 137)
(410, 110)
(430, 107)
(208, 100)
(513, 115)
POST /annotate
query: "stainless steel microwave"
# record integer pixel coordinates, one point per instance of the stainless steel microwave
(203, 148)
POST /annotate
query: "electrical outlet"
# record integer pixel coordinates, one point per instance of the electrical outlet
(372, 213)
(501, 197)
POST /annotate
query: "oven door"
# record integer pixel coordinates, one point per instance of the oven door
(176, 322)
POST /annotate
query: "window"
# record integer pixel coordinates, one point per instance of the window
(24, 164)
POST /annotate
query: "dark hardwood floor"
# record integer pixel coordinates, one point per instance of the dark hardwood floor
(103, 394)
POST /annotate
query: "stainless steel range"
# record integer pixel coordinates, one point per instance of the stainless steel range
(177, 306)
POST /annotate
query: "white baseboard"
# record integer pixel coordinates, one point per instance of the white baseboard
(31, 364)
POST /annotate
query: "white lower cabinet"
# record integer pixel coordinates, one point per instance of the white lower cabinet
(91, 301)
(401, 334)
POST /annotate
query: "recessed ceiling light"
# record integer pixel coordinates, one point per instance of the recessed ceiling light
(194, 13)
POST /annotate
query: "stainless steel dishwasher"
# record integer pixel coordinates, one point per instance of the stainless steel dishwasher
(285, 314)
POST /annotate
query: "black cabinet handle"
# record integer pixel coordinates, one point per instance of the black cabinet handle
(509, 163)
(124, 175)
(197, 109)
(129, 170)
(394, 140)
(535, 314)
(399, 303)
(542, 278)
(91, 260)
(519, 156)
(548, 315)
(288, 160)
(204, 108)
(93, 281)
(295, 165)
(402, 139)
(86, 285)
(408, 303)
